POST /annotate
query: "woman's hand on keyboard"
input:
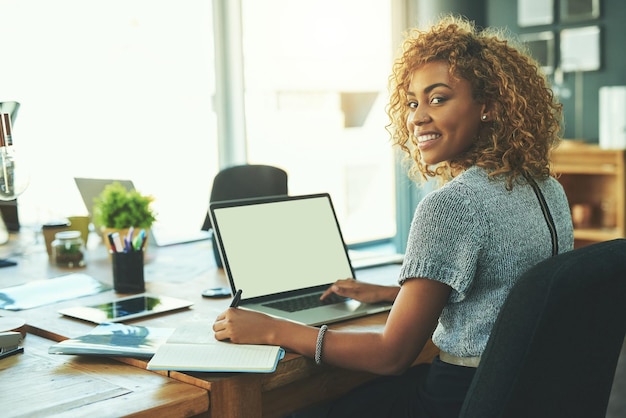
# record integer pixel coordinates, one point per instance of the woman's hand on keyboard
(361, 291)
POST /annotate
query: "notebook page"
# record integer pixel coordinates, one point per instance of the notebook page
(193, 332)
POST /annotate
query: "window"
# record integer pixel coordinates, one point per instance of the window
(315, 78)
(124, 89)
(111, 89)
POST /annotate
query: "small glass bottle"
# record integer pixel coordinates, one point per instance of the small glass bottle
(68, 249)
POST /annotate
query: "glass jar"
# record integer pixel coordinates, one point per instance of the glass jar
(68, 249)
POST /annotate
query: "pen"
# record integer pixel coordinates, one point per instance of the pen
(236, 299)
(128, 241)
(117, 242)
(142, 234)
(138, 241)
(111, 242)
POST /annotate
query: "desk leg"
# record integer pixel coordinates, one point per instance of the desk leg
(236, 398)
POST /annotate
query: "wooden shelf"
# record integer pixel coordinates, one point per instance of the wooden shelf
(596, 234)
(593, 179)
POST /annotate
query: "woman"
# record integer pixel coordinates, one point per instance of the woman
(468, 109)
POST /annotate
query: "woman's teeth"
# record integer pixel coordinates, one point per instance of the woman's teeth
(429, 137)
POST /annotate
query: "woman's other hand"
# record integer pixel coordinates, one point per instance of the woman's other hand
(361, 291)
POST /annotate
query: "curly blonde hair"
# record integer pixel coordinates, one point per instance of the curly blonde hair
(526, 119)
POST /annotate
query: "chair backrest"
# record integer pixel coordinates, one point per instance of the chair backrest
(245, 181)
(555, 345)
(249, 180)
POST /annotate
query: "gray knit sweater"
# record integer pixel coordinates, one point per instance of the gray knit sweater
(478, 238)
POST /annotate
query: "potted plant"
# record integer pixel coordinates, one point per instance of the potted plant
(119, 209)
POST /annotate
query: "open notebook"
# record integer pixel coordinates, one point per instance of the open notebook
(283, 252)
(193, 347)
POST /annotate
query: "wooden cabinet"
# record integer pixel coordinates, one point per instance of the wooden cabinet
(593, 179)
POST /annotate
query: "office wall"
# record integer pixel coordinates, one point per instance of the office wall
(503, 13)
(429, 10)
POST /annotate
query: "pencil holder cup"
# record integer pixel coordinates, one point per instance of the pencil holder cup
(128, 272)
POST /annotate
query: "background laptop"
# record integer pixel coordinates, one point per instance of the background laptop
(160, 234)
(280, 249)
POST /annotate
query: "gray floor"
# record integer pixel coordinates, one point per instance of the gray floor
(617, 401)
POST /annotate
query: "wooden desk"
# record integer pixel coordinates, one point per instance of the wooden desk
(183, 271)
(298, 382)
(36, 383)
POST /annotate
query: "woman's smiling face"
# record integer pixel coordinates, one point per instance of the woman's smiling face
(444, 117)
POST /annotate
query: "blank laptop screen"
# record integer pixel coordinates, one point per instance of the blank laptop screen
(285, 245)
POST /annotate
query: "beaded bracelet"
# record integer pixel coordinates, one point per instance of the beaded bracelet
(318, 345)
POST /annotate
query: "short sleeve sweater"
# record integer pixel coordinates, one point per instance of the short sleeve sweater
(477, 237)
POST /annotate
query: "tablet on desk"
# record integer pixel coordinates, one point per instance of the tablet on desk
(125, 308)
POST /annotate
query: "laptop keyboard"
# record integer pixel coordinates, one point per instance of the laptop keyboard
(305, 302)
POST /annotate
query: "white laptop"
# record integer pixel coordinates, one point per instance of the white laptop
(280, 250)
(160, 234)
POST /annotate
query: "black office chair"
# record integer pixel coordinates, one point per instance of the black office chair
(555, 345)
(245, 181)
